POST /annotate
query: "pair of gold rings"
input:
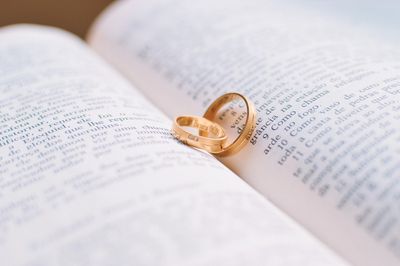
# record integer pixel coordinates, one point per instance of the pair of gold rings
(211, 136)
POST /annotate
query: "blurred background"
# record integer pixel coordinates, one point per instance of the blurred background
(77, 15)
(73, 15)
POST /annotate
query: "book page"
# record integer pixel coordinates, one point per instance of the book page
(327, 143)
(90, 174)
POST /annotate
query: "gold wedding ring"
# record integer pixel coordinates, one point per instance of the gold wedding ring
(212, 143)
(247, 130)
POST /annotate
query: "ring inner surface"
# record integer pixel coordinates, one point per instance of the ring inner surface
(202, 124)
(228, 111)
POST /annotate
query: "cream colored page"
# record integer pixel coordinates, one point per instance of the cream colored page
(326, 148)
(90, 174)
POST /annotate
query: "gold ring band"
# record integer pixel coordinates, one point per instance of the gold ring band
(211, 144)
(248, 129)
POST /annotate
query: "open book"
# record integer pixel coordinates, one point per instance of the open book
(90, 174)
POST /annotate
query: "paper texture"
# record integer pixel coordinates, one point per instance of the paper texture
(90, 174)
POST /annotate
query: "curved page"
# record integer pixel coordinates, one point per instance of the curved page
(326, 148)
